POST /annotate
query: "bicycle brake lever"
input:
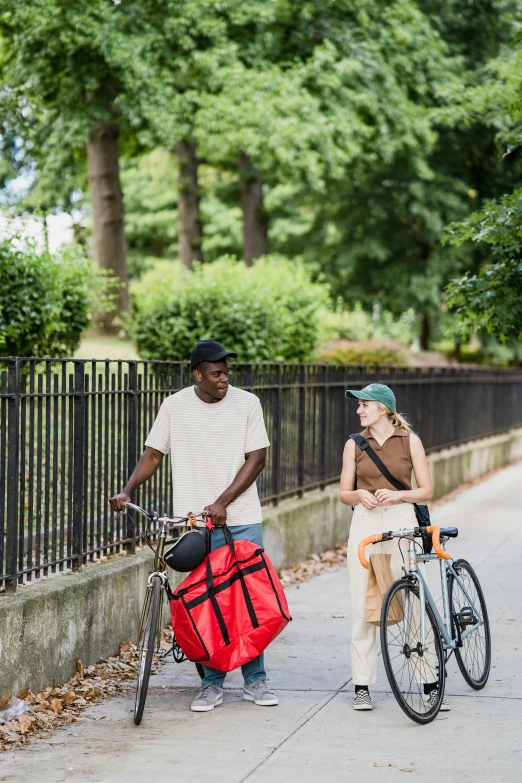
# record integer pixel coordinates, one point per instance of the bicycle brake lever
(386, 536)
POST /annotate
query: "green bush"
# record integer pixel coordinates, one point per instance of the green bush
(353, 354)
(45, 300)
(266, 312)
(358, 324)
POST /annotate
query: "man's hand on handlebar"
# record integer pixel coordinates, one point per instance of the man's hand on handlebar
(217, 511)
(119, 500)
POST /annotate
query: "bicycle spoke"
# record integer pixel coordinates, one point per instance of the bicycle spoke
(410, 665)
(474, 656)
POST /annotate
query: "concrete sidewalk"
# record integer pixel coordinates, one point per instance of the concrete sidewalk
(314, 734)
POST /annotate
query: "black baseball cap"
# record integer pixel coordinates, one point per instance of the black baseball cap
(209, 351)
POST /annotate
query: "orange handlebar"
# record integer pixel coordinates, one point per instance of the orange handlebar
(435, 531)
(364, 543)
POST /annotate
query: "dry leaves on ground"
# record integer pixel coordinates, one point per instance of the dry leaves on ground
(59, 706)
(315, 565)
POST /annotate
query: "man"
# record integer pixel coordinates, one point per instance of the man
(217, 441)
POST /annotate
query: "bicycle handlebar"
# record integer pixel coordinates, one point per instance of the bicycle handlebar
(376, 537)
(364, 543)
(191, 518)
(435, 532)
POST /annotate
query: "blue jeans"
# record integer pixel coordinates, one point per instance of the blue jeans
(255, 669)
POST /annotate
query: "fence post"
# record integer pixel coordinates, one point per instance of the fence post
(301, 432)
(13, 452)
(276, 445)
(78, 464)
(130, 532)
(324, 402)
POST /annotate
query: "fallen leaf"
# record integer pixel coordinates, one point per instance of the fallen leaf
(407, 769)
(99, 717)
(25, 722)
(23, 693)
(69, 698)
(56, 705)
(4, 699)
(79, 666)
(383, 764)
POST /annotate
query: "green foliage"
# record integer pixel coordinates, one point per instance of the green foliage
(149, 187)
(486, 351)
(492, 298)
(371, 354)
(267, 312)
(358, 324)
(373, 124)
(45, 300)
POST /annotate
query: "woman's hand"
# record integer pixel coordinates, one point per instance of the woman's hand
(368, 500)
(389, 496)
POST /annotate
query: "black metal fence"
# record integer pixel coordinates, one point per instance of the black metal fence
(71, 432)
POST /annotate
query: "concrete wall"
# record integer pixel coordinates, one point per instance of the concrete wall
(455, 466)
(45, 628)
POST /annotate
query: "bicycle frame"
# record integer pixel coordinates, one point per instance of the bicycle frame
(444, 625)
(159, 572)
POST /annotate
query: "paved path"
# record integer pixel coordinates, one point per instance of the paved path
(314, 735)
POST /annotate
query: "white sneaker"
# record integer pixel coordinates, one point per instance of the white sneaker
(260, 694)
(430, 700)
(362, 700)
(208, 698)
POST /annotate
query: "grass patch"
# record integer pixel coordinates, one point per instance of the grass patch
(101, 347)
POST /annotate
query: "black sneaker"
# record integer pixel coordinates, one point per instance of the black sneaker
(362, 700)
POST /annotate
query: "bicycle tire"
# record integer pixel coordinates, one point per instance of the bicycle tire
(428, 670)
(475, 651)
(146, 644)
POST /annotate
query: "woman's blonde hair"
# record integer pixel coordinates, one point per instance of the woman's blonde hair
(398, 421)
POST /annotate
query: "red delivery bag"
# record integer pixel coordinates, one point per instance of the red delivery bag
(227, 611)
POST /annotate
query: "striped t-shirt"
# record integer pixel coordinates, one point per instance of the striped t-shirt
(207, 444)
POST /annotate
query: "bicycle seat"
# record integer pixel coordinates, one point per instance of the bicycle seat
(449, 532)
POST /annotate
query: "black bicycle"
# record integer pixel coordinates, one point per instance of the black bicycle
(157, 590)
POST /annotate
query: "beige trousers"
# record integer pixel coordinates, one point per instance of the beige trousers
(365, 523)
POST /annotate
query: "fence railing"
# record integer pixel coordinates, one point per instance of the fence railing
(71, 432)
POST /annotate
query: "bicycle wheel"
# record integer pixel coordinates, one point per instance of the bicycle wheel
(474, 656)
(146, 644)
(416, 674)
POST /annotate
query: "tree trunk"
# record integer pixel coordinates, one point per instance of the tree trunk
(190, 232)
(425, 332)
(255, 240)
(108, 234)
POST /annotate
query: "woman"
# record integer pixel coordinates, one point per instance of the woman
(378, 507)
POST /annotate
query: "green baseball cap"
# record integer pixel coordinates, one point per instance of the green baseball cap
(375, 392)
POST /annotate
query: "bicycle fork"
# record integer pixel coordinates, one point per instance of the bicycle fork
(412, 569)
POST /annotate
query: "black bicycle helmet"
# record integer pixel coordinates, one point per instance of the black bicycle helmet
(188, 552)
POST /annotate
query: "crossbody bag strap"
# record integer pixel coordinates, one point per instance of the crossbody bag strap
(365, 446)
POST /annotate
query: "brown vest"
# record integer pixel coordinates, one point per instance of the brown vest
(396, 455)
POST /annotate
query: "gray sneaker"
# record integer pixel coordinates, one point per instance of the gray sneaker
(208, 698)
(260, 694)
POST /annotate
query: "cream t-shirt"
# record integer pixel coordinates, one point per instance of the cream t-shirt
(207, 445)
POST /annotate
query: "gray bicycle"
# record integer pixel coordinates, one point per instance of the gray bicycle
(416, 641)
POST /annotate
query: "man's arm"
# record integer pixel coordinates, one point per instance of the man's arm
(147, 465)
(254, 464)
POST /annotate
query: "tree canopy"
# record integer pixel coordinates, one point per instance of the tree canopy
(343, 135)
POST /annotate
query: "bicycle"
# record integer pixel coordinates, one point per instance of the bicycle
(416, 641)
(149, 635)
